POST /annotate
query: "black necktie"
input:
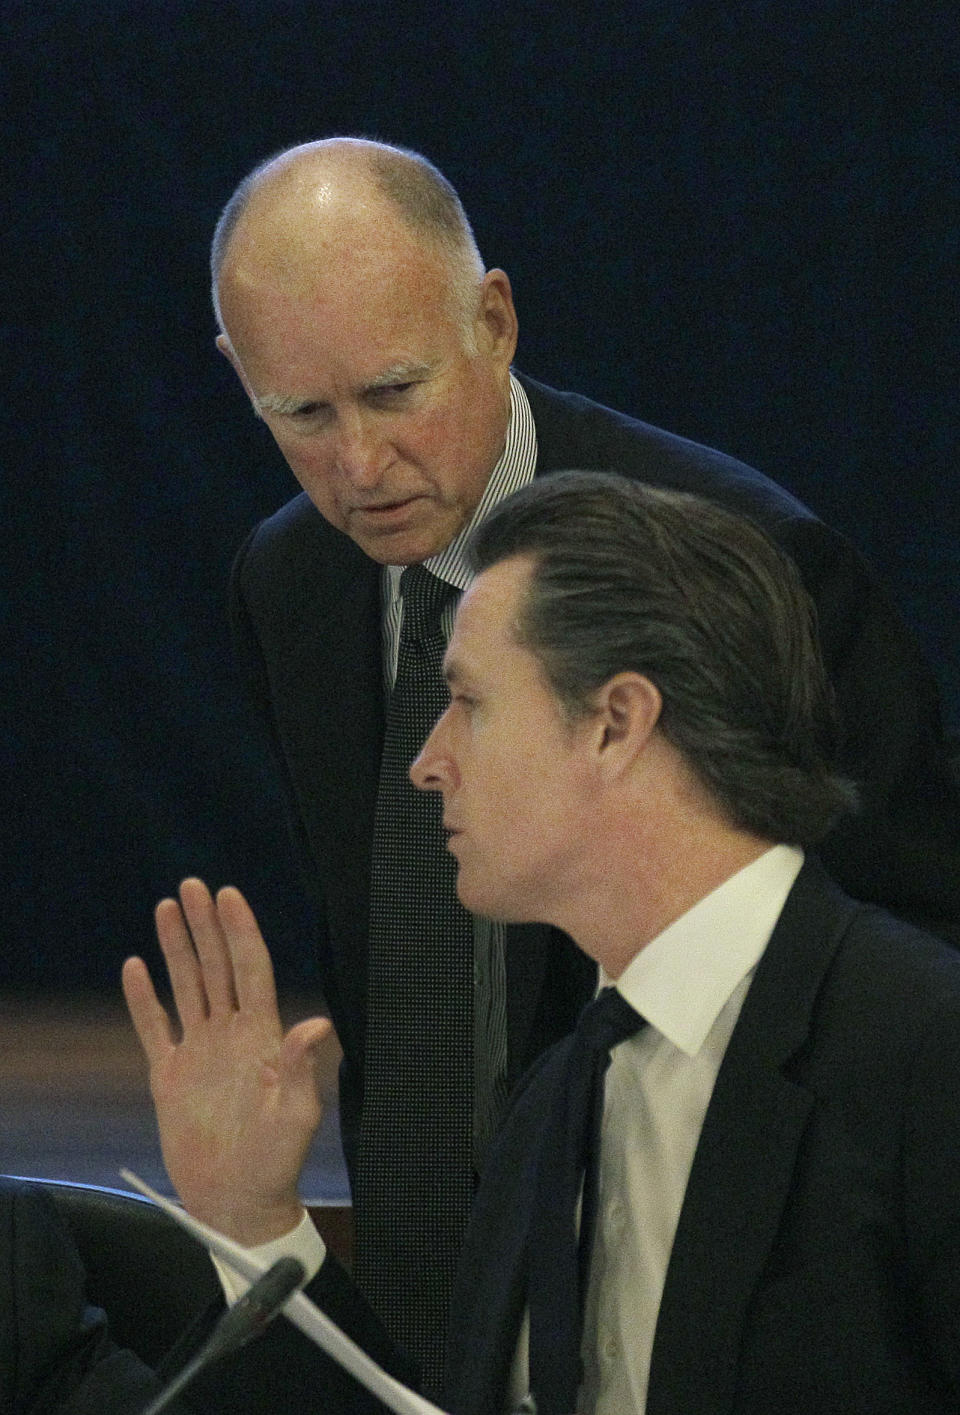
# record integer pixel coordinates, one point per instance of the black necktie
(414, 1179)
(559, 1257)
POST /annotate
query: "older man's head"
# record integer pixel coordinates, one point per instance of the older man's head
(355, 308)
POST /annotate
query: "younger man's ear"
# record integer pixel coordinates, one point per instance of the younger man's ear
(628, 709)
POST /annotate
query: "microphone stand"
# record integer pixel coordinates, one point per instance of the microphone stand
(246, 1319)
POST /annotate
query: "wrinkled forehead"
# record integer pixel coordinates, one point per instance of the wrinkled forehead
(372, 309)
(312, 245)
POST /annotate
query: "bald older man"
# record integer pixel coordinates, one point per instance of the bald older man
(356, 310)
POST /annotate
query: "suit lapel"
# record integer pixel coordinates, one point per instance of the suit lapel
(562, 437)
(744, 1163)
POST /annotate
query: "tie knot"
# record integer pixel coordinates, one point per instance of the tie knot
(607, 1020)
(424, 595)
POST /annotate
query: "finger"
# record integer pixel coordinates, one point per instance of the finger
(183, 967)
(216, 964)
(149, 1017)
(252, 968)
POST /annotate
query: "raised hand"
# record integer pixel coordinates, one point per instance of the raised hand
(236, 1099)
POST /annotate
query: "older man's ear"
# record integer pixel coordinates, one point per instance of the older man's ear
(227, 350)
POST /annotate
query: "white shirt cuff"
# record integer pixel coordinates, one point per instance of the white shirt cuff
(302, 1242)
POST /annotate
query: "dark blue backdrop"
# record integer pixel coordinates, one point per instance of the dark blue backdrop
(738, 221)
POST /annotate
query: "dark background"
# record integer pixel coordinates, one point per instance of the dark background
(737, 221)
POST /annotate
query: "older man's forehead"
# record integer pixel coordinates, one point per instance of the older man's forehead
(390, 328)
(300, 243)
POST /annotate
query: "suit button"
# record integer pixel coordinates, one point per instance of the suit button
(615, 1218)
(609, 1350)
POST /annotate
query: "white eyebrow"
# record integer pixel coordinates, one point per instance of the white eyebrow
(401, 373)
(396, 373)
(274, 403)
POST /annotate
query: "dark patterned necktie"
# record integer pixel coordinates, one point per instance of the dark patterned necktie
(414, 1181)
(559, 1256)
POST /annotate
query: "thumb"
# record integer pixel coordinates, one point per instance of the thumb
(298, 1052)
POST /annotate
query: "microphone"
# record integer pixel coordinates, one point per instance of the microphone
(246, 1319)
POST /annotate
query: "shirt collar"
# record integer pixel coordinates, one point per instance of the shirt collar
(683, 978)
(515, 468)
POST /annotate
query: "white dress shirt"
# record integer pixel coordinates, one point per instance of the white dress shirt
(689, 983)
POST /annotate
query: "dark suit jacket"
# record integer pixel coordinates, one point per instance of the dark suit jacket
(816, 1265)
(56, 1355)
(305, 610)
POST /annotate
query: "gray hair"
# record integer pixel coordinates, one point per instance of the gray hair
(627, 577)
(423, 197)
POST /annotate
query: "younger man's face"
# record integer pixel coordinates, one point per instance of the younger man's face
(512, 771)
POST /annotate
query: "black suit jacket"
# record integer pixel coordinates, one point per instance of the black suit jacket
(816, 1265)
(56, 1355)
(306, 618)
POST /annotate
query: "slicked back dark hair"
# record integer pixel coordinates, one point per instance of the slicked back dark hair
(628, 577)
